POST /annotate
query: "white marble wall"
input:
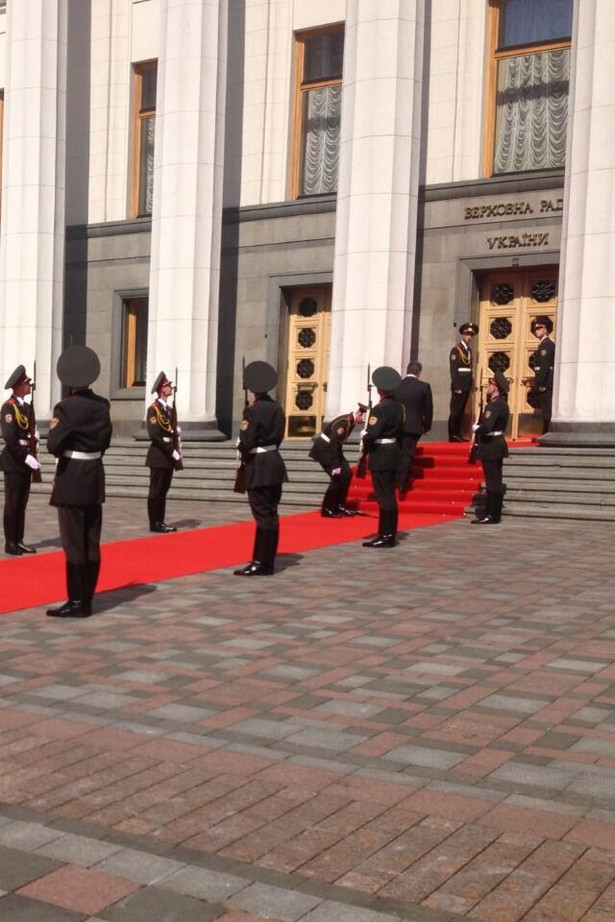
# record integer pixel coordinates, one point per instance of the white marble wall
(187, 210)
(375, 238)
(455, 79)
(585, 357)
(33, 193)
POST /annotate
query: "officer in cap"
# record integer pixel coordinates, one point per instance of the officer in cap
(17, 460)
(542, 362)
(460, 364)
(491, 447)
(261, 431)
(382, 438)
(162, 457)
(328, 450)
(79, 435)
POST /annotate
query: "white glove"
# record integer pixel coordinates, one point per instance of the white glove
(179, 430)
(237, 442)
(336, 471)
(32, 462)
(363, 433)
(37, 435)
(175, 455)
(474, 427)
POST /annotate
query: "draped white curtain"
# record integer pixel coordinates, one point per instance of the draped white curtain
(146, 167)
(321, 139)
(532, 110)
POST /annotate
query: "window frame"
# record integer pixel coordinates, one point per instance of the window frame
(128, 350)
(495, 56)
(139, 115)
(299, 89)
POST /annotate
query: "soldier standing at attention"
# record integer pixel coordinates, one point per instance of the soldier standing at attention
(382, 438)
(491, 447)
(17, 461)
(261, 431)
(162, 456)
(460, 362)
(543, 363)
(328, 450)
(79, 435)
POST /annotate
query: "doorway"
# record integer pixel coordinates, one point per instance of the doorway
(307, 368)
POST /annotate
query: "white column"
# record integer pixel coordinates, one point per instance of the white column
(187, 208)
(375, 237)
(33, 194)
(584, 404)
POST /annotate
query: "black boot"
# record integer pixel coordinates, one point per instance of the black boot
(345, 511)
(73, 608)
(25, 548)
(496, 508)
(386, 531)
(12, 548)
(262, 562)
(330, 513)
(162, 528)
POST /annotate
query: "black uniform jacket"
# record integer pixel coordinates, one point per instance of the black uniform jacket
(386, 421)
(161, 432)
(331, 453)
(262, 425)
(460, 361)
(81, 423)
(494, 418)
(544, 359)
(417, 399)
(16, 424)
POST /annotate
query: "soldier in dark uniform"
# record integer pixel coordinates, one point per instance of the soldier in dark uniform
(541, 388)
(491, 447)
(417, 399)
(382, 438)
(79, 435)
(261, 431)
(162, 456)
(328, 450)
(17, 460)
(460, 362)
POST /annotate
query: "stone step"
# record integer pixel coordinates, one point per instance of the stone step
(585, 512)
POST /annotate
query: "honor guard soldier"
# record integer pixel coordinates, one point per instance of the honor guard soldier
(18, 460)
(491, 447)
(163, 458)
(417, 399)
(543, 361)
(79, 435)
(460, 362)
(382, 437)
(261, 431)
(328, 450)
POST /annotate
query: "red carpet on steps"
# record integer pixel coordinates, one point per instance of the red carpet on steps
(28, 581)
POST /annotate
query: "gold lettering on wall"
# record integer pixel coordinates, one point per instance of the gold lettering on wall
(512, 209)
(517, 241)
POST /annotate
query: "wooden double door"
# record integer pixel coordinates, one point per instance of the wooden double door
(307, 368)
(509, 302)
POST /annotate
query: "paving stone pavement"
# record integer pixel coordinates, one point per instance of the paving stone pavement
(423, 734)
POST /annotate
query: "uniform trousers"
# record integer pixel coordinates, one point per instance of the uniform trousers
(16, 493)
(408, 449)
(264, 502)
(492, 470)
(80, 528)
(384, 483)
(159, 482)
(457, 409)
(546, 404)
(337, 491)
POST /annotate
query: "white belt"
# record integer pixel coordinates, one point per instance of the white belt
(82, 455)
(325, 437)
(261, 448)
(385, 441)
(24, 442)
(465, 370)
(492, 434)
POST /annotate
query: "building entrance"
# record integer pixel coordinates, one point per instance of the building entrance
(309, 332)
(509, 301)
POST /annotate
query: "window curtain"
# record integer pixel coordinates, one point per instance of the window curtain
(531, 112)
(146, 166)
(321, 140)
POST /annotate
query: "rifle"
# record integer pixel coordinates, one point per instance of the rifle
(177, 442)
(37, 477)
(362, 465)
(240, 476)
(481, 406)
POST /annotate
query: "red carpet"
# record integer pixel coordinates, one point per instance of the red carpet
(28, 581)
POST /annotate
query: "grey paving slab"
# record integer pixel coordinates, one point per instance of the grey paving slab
(424, 756)
(205, 884)
(139, 866)
(274, 902)
(339, 912)
(14, 908)
(79, 850)
(157, 905)
(27, 836)
(18, 868)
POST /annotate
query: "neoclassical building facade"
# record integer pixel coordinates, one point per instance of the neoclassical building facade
(329, 185)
